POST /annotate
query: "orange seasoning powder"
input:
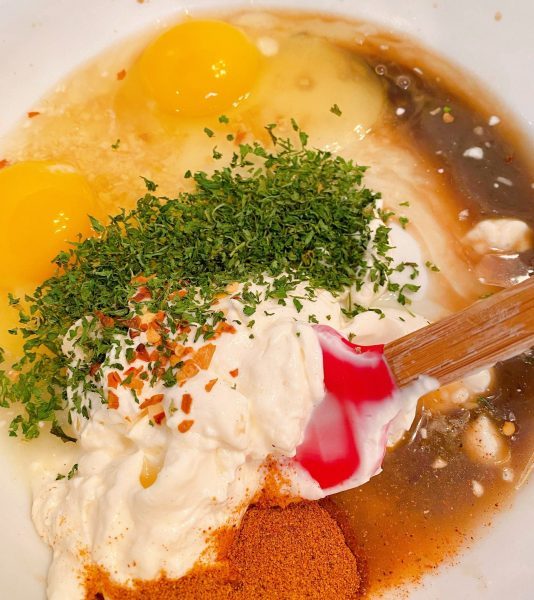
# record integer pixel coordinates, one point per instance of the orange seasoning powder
(292, 553)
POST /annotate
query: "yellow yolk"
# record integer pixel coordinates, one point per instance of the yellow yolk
(43, 206)
(199, 68)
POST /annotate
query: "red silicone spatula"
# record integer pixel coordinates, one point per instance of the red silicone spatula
(371, 391)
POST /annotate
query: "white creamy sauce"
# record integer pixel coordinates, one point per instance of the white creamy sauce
(269, 379)
(500, 235)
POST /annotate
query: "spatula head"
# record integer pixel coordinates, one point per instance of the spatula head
(346, 437)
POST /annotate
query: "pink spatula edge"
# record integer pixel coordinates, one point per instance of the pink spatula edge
(372, 391)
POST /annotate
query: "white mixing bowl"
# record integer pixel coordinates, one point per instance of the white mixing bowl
(42, 40)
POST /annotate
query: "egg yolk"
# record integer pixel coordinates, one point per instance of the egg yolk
(199, 68)
(43, 206)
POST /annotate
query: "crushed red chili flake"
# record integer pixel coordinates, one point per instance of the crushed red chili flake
(234, 372)
(155, 399)
(185, 425)
(113, 400)
(155, 356)
(132, 381)
(181, 351)
(134, 370)
(94, 369)
(174, 360)
(223, 327)
(139, 279)
(134, 334)
(133, 323)
(113, 379)
(159, 316)
(153, 335)
(121, 74)
(143, 293)
(33, 113)
(202, 357)
(187, 400)
(188, 370)
(159, 418)
(105, 320)
(3, 163)
(209, 386)
(142, 353)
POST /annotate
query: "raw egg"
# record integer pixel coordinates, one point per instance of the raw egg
(305, 79)
(44, 205)
(199, 68)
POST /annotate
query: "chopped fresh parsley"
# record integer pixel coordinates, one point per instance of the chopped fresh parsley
(403, 221)
(336, 110)
(70, 474)
(432, 266)
(274, 216)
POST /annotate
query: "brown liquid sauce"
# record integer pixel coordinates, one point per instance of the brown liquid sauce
(412, 517)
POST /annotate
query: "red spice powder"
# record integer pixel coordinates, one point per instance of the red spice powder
(292, 553)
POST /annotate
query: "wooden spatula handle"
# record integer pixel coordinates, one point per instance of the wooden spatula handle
(493, 329)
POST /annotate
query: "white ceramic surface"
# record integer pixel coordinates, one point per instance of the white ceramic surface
(42, 40)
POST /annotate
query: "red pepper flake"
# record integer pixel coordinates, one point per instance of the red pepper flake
(142, 294)
(202, 357)
(155, 399)
(181, 351)
(209, 386)
(223, 327)
(155, 356)
(105, 321)
(188, 370)
(134, 323)
(136, 385)
(187, 400)
(158, 419)
(174, 360)
(185, 425)
(135, 370)
(142, 353)
(139, 279)
(133, 383)
(234, 372)
(33, 113)
(114, 379)
(134, 334)
(3, 163)
(152, 335)
(182, 293)
(159, 317)
(113, 400)
(121, 74)
(94, 369)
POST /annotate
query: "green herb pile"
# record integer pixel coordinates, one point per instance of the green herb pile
(289, 213)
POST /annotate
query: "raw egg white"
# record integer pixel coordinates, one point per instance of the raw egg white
(307, 78)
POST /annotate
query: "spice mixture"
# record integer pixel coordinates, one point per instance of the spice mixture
(293, 553)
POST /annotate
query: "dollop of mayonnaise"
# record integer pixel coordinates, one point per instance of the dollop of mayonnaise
(165, 468)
